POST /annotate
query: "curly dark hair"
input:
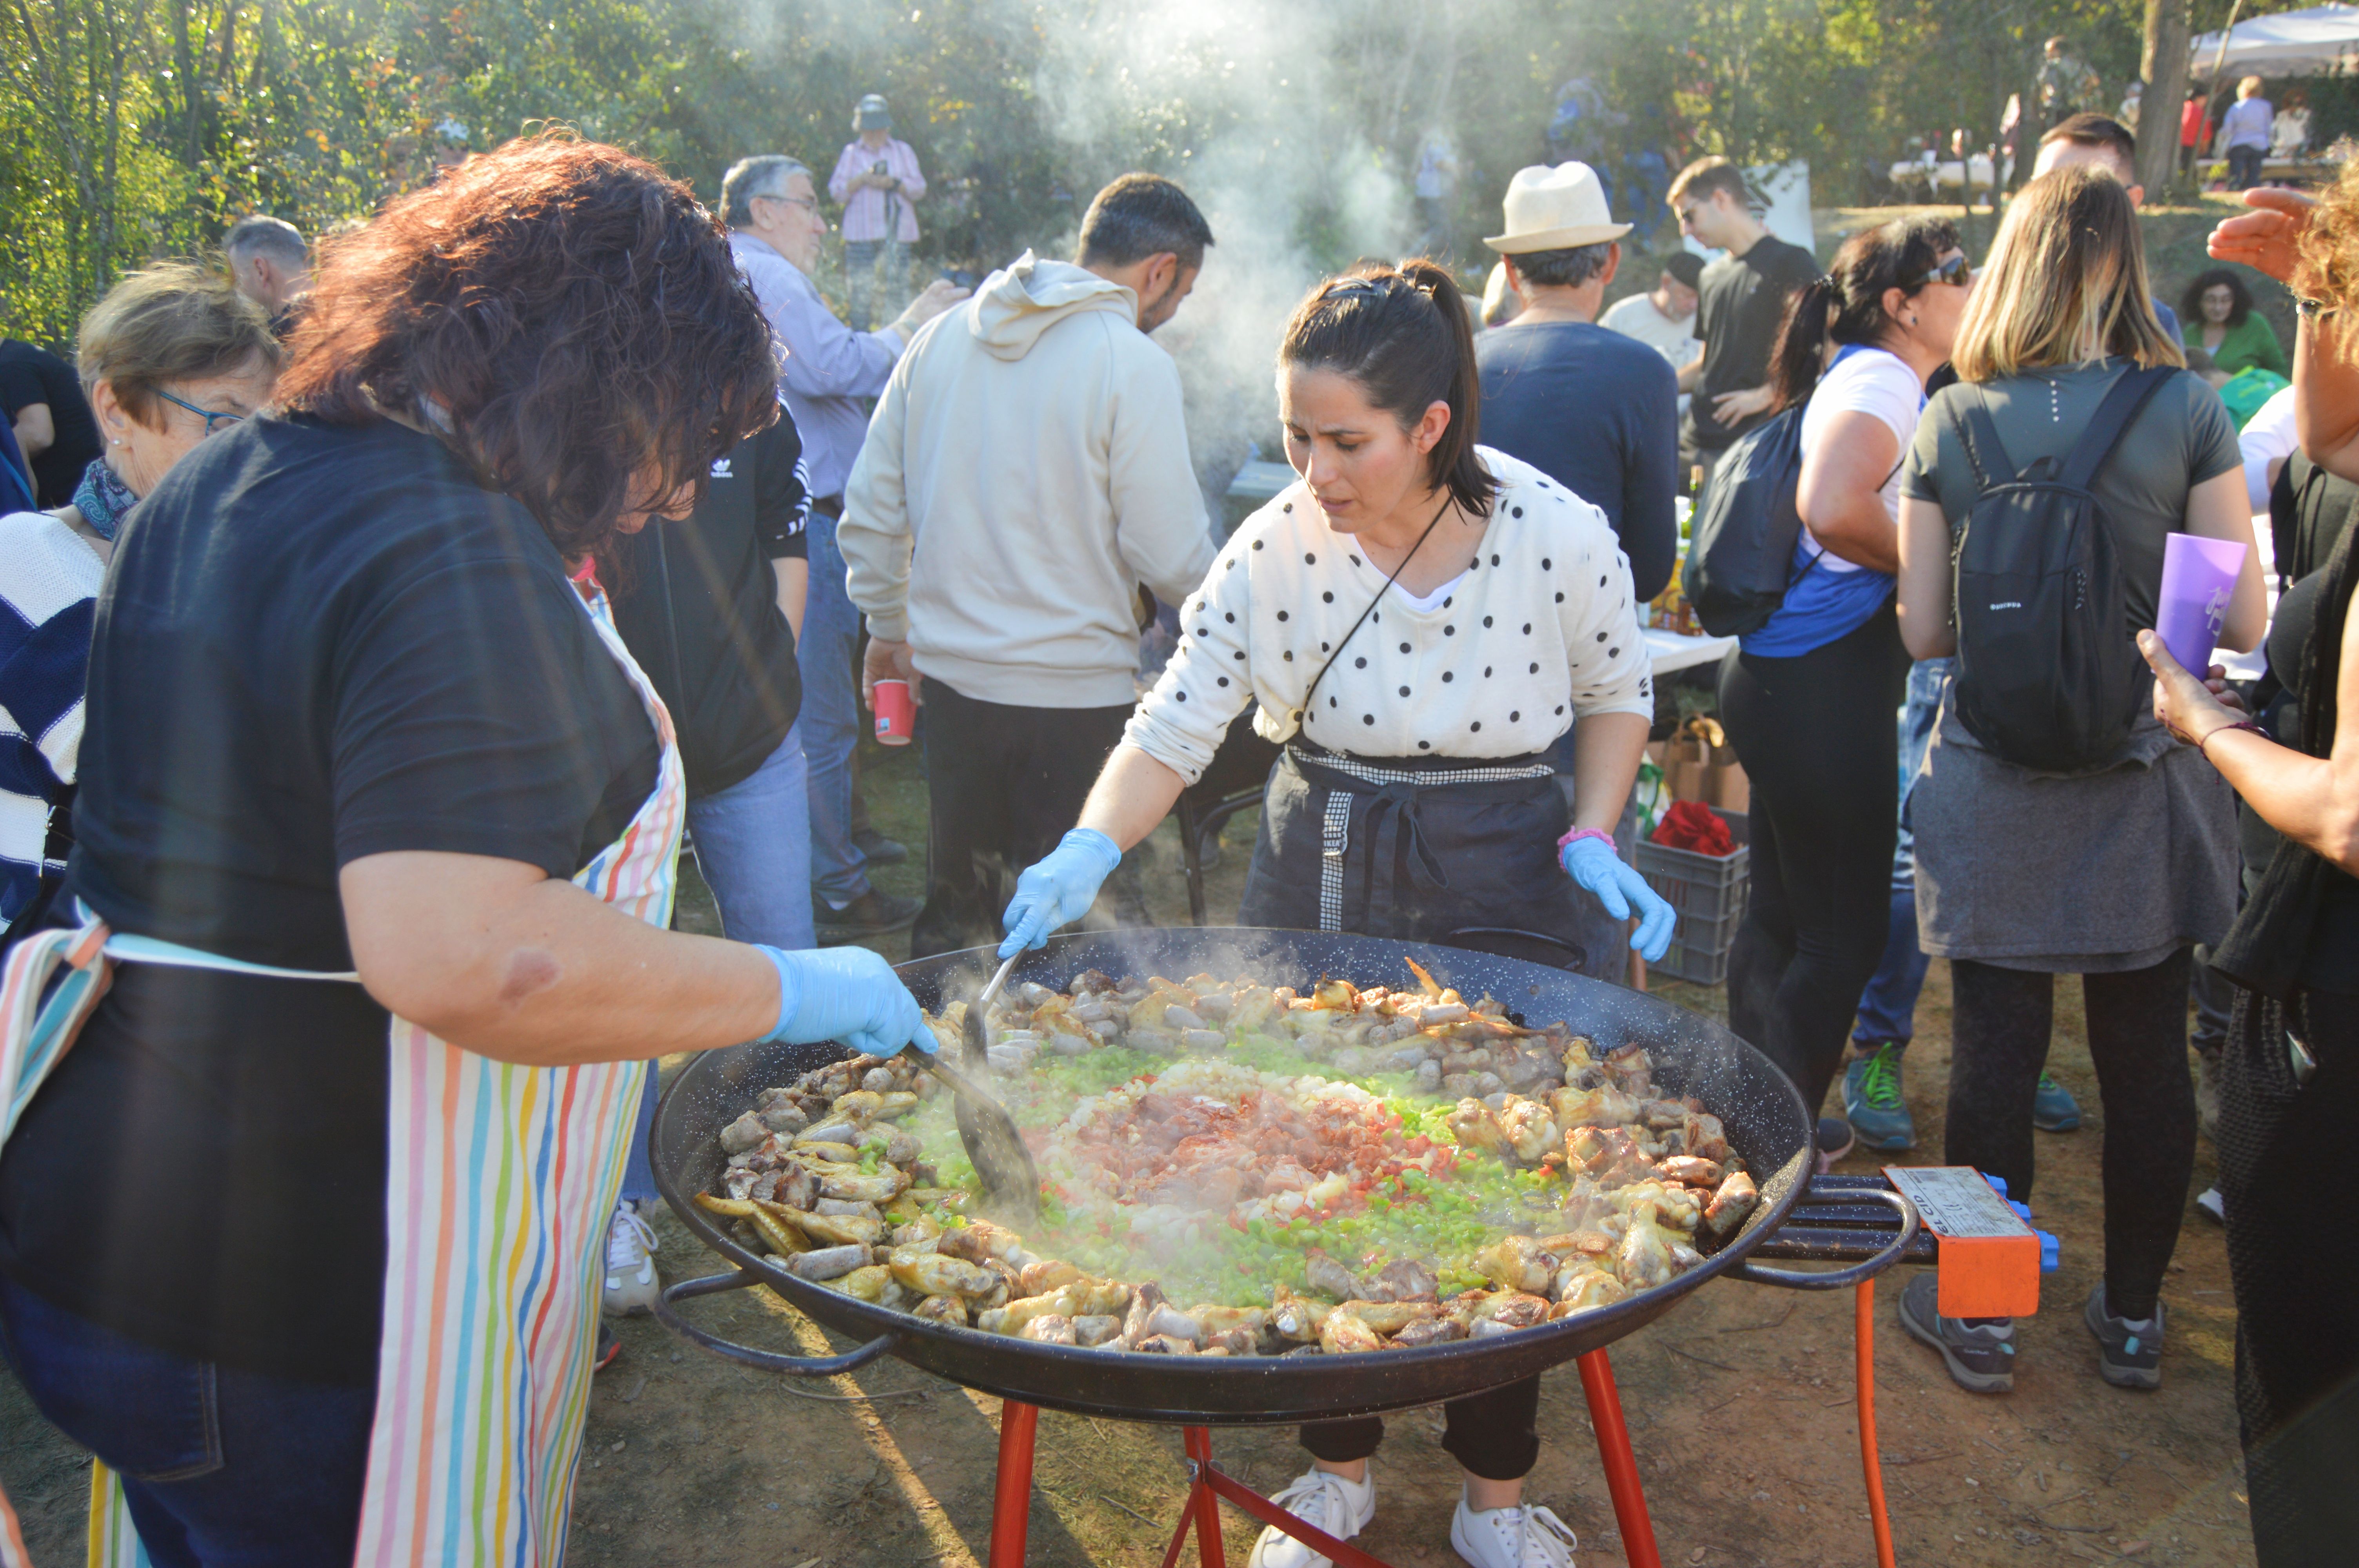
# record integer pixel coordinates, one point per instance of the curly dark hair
(2190, 304)
(568, 319)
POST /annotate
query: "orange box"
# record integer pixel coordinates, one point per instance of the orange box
(1989, 1264)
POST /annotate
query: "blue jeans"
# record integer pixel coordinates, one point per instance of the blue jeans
(860, 277)
(753, 844)
(221, 1467)
(831, 721)
(1887, 1008)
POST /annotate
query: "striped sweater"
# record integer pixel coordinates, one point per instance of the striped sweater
(49, 577)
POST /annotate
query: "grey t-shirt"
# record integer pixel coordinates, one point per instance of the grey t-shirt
(2181, 437)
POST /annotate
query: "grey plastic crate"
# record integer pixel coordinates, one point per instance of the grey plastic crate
(1709, 894)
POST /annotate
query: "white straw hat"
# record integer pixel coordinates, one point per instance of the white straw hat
(1554, 210)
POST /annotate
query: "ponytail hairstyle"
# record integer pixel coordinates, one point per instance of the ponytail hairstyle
(1405, 337)
(1847, 305)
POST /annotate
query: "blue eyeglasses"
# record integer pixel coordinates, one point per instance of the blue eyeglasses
(211, 416)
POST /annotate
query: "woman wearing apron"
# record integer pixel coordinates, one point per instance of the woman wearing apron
(318, 1131)
(1421, 619)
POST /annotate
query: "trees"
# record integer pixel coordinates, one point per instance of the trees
(130, 128)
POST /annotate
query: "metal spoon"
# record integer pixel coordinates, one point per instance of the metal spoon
(1011, 1183)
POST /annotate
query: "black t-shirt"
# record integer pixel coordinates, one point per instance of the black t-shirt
(698, 604)
(1740, 300)
(315, 645)
(1597, 412)
(2331, 963)
(30, 375)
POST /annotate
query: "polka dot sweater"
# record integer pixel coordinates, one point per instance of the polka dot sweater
(1543, 627)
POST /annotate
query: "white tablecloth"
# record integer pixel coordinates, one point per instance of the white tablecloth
(1670, 651)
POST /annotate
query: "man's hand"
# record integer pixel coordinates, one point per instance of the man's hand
(938, 297)
(1733, 407)
(931, 303)
(887, 661)
(2267, 238)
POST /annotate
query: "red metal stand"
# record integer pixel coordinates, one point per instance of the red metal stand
(1207, 1485)
(1011, 1499)
(1621, 1465)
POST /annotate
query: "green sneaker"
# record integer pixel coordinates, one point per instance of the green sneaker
(2053, 1108)
(1872, 1099)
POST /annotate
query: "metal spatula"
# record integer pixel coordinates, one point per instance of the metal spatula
(1011, 1183)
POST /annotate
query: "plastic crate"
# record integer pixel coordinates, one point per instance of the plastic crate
(1709, 894)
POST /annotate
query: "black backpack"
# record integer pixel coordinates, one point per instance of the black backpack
(2047, 674)
(1741, 564)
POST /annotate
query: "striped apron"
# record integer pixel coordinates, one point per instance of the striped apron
(502, 1181)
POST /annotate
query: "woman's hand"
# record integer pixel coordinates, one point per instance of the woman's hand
(2269, 237)
(1591, 862)
(2190, 709)
(848, 994)
(1058, 890)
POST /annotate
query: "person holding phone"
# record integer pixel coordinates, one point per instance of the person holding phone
(877, 181)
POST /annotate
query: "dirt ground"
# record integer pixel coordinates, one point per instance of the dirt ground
(1740, 1404)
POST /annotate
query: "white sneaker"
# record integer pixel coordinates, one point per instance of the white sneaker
(631, 1284)
(1321, 1498)
(1519, 1537)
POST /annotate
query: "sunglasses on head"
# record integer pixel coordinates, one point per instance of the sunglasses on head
(1957, 272)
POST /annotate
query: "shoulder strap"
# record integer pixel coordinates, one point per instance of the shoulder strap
(1986, 453)
(2130, 394)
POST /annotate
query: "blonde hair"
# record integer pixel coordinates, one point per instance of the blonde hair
(2249, 88)
(173, 321)
(2066, 283)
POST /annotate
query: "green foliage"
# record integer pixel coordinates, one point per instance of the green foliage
(135, 128)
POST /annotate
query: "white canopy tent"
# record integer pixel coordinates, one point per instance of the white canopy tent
(2321, 40)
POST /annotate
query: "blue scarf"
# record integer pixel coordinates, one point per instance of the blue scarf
(103, 499)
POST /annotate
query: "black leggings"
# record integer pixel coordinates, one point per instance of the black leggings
(1817, 735)
(2137, 1040)
(1495, 1434)
(2293, 1255)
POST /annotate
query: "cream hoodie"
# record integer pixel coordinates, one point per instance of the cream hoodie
(1026, 470)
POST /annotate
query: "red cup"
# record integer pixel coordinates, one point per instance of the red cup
(897, 715)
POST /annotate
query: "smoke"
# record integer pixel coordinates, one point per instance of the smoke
(1262, 112)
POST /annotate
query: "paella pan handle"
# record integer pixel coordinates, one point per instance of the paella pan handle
(1839, 1278)
(768, 1360)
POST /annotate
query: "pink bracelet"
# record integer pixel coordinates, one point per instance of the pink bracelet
(1565, 842)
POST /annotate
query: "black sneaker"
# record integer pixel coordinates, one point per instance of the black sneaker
(873, 913)
(610, 1347)
(1981, 1357)
(880, 851)
(2129, 1354)
(1835, 1139)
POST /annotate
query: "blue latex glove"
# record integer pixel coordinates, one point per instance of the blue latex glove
(848, 994)
(1592, 863)
(1058, 890)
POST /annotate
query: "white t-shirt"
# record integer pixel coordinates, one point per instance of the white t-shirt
(2267, 437)
(1638, 318)
(1867, 381)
